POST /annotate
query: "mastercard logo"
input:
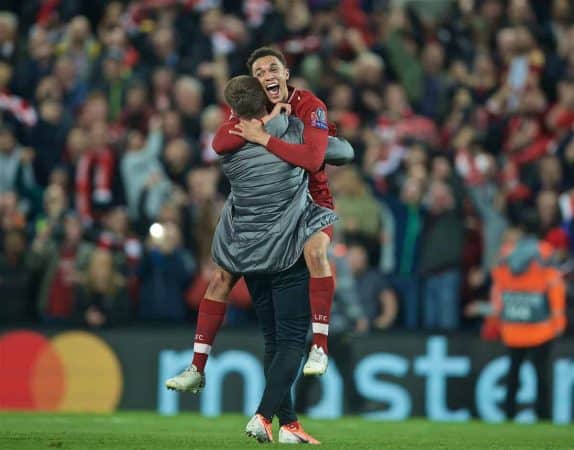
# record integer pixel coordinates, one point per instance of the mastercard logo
(72, 371)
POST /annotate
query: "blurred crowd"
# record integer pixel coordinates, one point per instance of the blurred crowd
(462, 123)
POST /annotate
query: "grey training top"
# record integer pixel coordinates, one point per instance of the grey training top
(269, 213)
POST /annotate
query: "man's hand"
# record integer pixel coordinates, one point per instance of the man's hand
(205, 70)
(252, 131)
(94, 317)
(153, 179)
(277, 109)
(362, 325)
(178, 195)
(281, 107)
(478, 308)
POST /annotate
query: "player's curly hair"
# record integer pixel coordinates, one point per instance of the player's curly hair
(245, 96)
(264, 51)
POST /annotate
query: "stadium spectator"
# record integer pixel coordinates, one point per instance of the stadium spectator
(528, 327)
(95, 174)
(486, 85)
(8, 36)
(47, 138)
(178, 156)
(378, 301)
(357, 208)
(50, 222)
(16, 170)
(188, 97)
(136, 112)
(102, 299)
(141, 166)
(79, 44)
(403, 223)
(12, 215)
(54, 257)
(15, 280)
(440, 264)
(165, 268)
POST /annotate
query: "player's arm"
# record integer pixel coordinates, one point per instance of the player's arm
(224, 141)
(275, 124)
(309, 155)
(277, 110)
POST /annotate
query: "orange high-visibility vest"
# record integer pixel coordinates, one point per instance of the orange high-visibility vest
(531, 305)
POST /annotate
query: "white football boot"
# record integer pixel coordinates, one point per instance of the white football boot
(259, 428)
(190, 380)
(294, 433)
(316, 362)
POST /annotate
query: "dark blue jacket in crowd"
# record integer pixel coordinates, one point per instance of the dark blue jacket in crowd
(164, 280)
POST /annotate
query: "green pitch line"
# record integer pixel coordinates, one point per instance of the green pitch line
(148, 431)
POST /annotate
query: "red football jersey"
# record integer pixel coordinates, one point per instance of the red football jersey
(310, 155)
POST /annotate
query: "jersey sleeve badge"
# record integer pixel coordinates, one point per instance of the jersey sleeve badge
(319, 119)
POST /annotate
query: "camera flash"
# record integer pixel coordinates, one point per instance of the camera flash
(156, 231)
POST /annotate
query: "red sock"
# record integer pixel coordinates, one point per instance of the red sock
(321, 291)
(209, 320)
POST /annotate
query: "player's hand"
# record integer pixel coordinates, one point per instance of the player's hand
(277, 109)
(282, 107)
(252, 131)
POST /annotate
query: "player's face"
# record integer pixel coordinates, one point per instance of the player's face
(273, 76)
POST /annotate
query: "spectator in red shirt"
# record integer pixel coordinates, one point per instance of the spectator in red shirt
(55, 259)
(94, 175)
(560, 118)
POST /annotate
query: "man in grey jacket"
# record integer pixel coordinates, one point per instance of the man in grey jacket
(141, 166)
(16, 172)
(265, 223)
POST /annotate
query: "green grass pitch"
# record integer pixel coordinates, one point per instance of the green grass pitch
(148, 431)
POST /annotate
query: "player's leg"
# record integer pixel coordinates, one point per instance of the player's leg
(321, 291)
(209, 319)
(290, 290)
(211, 314)
(292, 313)
(260, 289)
